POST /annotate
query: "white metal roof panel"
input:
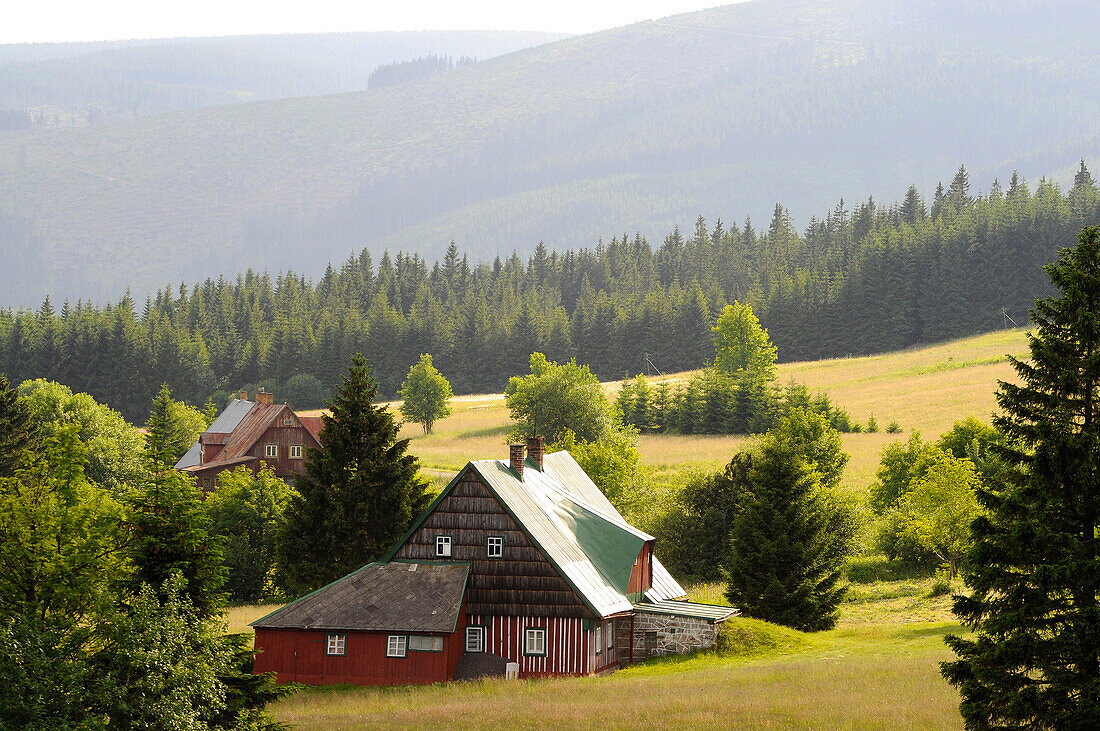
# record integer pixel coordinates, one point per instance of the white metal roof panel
(559, 524)
(709, 612)
(191, 457)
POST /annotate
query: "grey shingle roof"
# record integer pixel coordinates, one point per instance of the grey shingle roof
(226, 422)
(398, 596)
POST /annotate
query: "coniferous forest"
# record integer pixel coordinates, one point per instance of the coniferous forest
(862, 278)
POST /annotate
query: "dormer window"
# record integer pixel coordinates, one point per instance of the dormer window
(271, 450)
(443, 546)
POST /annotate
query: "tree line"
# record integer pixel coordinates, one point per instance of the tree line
(869, 279)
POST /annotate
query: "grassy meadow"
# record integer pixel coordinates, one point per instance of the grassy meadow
(924, 389)
(879, 668)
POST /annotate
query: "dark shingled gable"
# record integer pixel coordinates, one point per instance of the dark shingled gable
(397, 596)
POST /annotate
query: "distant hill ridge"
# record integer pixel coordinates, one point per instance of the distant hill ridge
(725, 111)
(76, 83)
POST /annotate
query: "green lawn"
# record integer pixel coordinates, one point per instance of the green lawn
(878, 669)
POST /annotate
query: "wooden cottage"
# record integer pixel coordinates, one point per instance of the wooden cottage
(556, 583)
(252, 433)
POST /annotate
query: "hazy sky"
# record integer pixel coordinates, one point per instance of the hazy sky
(87, 20)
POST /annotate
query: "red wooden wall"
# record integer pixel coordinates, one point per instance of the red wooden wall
(298, 656)
(570, 647)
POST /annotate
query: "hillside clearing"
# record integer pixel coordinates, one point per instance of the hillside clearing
(924, 389)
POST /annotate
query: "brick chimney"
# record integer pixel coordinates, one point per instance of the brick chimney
(244, 395)
(535, 450)
(262, 397)
(515, 458)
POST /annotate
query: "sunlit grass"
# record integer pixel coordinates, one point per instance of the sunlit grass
(878, 669)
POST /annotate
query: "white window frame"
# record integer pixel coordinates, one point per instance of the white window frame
(397, 646)
(336, 644)
(295, 451)
(494, 542)
(271, 451)
(444, 547)
(477, 634)
(425, 643)
(599, 639)
(534, 641)
(610, 635)
(288, 421)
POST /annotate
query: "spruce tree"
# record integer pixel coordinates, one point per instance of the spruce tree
(360, 493)
(788, 543)
(1034, 658)
(15, 429)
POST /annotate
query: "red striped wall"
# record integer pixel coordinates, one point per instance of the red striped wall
(570, 648)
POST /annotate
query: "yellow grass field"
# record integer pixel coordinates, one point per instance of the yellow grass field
(925, 389)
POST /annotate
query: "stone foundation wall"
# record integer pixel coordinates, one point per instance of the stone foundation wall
(675, 635)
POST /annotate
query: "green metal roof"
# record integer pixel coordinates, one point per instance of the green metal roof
(577, 484)
(710, 612)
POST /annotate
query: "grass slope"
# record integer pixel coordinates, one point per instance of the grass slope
(721, 112)
(924, 389)
(877, 669)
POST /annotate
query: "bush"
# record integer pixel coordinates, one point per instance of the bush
(893, 428)
(872, 424)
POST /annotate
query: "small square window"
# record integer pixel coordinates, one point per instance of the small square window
(443, 546)
(288, 421)
(475, 639)
(271, 450)
(495, 547)
(599, 639)
(397, 646)
(295, 451)
(336, 645)
(534, 641)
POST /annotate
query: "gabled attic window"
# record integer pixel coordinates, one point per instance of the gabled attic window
(443, 546)
(288, 421)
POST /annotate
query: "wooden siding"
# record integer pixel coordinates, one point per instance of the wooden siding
(299, 656)
(521, 583)
(284, 437)
(641, 576)
(570, 643)
(569, 648)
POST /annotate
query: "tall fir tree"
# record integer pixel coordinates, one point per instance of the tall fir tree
(1034, 658)
(360, 493)
(788, 547)
(15, 429)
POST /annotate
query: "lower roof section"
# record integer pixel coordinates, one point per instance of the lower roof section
(710, 612)
(399, 596)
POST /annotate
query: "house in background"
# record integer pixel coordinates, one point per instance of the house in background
(252, 433)
(553, 582)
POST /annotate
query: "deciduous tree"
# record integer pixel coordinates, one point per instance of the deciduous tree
(741, 344)
(426, 393)
(555, 398)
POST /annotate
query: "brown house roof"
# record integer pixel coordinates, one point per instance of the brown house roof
(398, 596)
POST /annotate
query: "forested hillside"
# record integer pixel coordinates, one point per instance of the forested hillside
(725, 111)
(859, 279)
(74, 84)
